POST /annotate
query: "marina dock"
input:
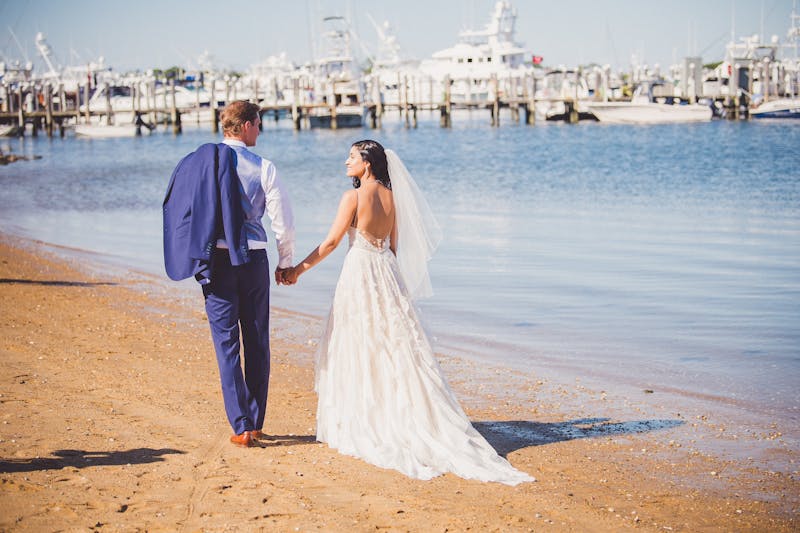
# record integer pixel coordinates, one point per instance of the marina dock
(39, 108)
(487, 71)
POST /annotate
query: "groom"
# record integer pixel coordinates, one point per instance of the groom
(236, 288)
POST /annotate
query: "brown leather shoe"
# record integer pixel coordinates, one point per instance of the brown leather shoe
(257, 434)
(243, 439)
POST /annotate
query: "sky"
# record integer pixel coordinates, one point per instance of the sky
(144, 34)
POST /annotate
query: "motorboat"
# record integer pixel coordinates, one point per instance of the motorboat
(558, 86)
(779, 108)
(7, 130)
(124, 98)
(106, 131)
(113, 130)
(652, 103)
(185, 97)
(118, 97)
(649, 113)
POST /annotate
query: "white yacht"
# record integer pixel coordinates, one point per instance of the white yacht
(272, 80)
(338, 89)
(121, 100)
(122, 97)
(479, 56)
(761, 70)
(71, 77)
(784, 101)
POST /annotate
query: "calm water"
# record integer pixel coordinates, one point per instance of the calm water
(626, 255)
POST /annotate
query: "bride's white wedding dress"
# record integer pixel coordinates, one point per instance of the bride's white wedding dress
(382, 395)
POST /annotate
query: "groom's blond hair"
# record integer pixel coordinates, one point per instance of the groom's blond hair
(236, 114)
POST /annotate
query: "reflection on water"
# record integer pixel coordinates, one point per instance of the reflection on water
(663, 252)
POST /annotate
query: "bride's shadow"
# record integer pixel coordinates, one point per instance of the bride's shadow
(509, 436)
(286, 440)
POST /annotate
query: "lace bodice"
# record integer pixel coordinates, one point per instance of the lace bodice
(364, 240)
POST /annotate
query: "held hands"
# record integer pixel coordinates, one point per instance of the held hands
(280, 275)
(290, 276)
(286, 276)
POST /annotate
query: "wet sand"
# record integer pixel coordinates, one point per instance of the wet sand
(112, 420)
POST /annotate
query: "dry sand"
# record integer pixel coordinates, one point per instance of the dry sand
(112, 420)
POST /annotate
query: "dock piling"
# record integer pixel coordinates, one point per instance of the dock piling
(295, 102)
(405, 99)
(48, 109)
(21, 112)
(214, 110)
(86, 95)
(378, 104)
(445, 120)
(109, 115)
(495, 101)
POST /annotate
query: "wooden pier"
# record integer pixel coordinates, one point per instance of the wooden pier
(40, 107)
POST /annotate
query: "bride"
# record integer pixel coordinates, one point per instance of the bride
(382, 396)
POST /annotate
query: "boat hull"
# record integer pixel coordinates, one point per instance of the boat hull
(8, 130)
(108, 132)
(780, 109)
(649, 113)
(345, 120)
(778, 114)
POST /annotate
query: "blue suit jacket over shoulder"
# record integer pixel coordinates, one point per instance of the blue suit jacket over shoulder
(203, 203)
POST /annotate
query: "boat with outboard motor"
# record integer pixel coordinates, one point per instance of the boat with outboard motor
(652, 103)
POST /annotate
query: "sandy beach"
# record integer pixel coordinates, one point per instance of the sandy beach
(112, 420)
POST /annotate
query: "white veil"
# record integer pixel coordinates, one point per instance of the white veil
(418, 232)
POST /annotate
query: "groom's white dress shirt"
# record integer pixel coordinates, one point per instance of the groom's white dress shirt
(264, 191)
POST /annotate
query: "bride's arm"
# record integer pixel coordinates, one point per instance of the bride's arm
(347, 208)
(393, 238)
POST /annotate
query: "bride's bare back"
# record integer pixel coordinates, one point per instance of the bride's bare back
(370, 208)
(374, 210)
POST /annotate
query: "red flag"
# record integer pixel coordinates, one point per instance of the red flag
(537, 60)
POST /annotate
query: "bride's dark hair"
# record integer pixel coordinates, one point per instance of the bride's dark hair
(373, 153)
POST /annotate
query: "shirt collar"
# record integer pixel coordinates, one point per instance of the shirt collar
(234, 142)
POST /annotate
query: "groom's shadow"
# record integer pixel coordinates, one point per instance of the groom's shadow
(85, 459)
(54, 283)
(509, 436)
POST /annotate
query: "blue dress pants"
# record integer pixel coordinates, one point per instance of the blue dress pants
(238, 297)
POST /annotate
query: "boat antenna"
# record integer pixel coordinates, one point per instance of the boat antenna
(794, 31)
(712, 44)
(794, 35)
(19, 45)
(610, 37)
(312, 45)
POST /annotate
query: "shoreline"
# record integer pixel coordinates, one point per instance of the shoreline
(546, 363)
(618, 289)
(116, 372)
